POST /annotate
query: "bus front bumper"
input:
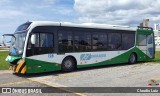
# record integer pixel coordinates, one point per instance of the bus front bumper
(20, 67)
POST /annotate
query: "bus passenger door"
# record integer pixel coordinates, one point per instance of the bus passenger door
(150, 46)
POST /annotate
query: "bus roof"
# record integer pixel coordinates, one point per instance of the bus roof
(82, 25)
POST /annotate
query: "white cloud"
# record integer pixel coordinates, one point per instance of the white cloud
(125, 12)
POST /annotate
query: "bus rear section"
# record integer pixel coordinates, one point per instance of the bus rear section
(145, 43)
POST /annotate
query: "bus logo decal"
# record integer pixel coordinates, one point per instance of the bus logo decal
(85, 57)
(89, 56)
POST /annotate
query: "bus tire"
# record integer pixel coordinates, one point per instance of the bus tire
(133, 58)
(68, 64)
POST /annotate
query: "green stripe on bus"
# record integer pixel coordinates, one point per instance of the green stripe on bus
(123, 58)
(37, 66)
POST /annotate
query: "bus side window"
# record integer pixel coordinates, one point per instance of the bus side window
(99, 40)
(65, 41)
(114, 41)
(46, 40)
(82, 41)
(44, 44)
(128, 40)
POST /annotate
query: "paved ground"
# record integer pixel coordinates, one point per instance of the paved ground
(123, 75)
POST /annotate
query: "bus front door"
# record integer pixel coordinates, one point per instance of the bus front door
(150, 46)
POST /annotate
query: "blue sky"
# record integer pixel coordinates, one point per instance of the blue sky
(117, 12)
(15, 12)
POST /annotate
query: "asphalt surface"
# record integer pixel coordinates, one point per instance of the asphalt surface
(122, 75)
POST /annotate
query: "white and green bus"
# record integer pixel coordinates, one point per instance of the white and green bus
(41, 46)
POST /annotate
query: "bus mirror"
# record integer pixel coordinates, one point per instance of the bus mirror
(33, 39)
(5, 42)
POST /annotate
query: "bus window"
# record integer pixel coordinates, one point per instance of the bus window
(99, 40)
(46, 40)
(150, 41)
(65, 41)
(44, 44)
(128, 40)
(82, 41)
(142, 40)
(114, 41)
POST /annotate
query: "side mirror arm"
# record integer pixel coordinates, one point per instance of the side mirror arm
(7, 35)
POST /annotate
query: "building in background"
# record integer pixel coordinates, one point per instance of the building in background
(157, 34)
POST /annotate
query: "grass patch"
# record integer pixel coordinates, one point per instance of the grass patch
(3, 64)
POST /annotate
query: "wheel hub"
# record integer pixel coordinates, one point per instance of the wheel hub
(68, 64)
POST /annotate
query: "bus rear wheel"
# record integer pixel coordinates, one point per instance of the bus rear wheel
(132, 58)
(68, 64)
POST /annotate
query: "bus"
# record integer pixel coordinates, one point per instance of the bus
(44, 46)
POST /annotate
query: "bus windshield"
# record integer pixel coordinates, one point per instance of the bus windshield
(17, 44)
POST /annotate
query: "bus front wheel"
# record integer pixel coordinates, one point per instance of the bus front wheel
(132, 58)
(68, 64)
